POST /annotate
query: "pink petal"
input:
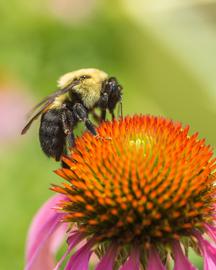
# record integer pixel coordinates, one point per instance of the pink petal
(154, 261)
(211, 230)
(181, 261)
(74, 240)
(133, 261)
(108, 259)
(209, 252)
(44, 237)
(80, 259)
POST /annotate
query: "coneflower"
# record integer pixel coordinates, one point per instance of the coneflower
(137, 201)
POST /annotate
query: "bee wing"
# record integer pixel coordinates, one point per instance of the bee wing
(39, 105)
(52, 97)
(34, 117)
(45, 103)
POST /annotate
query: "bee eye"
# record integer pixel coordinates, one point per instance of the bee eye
(83, 77)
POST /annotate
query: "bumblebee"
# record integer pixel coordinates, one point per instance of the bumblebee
(79, 93)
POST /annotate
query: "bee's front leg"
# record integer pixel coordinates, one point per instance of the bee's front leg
(103, 104)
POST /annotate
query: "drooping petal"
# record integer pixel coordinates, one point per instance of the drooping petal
(133, 261)
(80, 259)
(108, 259)
(154, 261)
(181, 261)
(209, 252)
(44, 237)
(211, 230)
(75, 238)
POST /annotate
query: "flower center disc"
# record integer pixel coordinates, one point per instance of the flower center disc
(150, 182)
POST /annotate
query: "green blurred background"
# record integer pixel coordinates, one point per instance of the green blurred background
(162, 52)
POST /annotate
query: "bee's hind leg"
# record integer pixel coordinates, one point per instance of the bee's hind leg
(70, 138)
(67, 125)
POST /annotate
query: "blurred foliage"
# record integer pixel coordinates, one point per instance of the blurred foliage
(36, 48)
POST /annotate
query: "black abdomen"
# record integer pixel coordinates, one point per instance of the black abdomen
(51, 134)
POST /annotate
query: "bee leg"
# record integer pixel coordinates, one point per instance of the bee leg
(100, 118)
(89, 125)
(113, 115)
(70, 140)
(82, 115)
(80, 112)
(103, 115)
(67, 124)
(103, 104)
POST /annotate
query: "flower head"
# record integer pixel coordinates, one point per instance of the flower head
(143, 197)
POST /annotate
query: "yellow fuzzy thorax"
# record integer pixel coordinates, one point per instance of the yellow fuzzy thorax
(89, 88)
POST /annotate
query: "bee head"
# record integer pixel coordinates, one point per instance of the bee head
(114, 91)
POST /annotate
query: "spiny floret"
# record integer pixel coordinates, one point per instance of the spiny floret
(151, 180)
